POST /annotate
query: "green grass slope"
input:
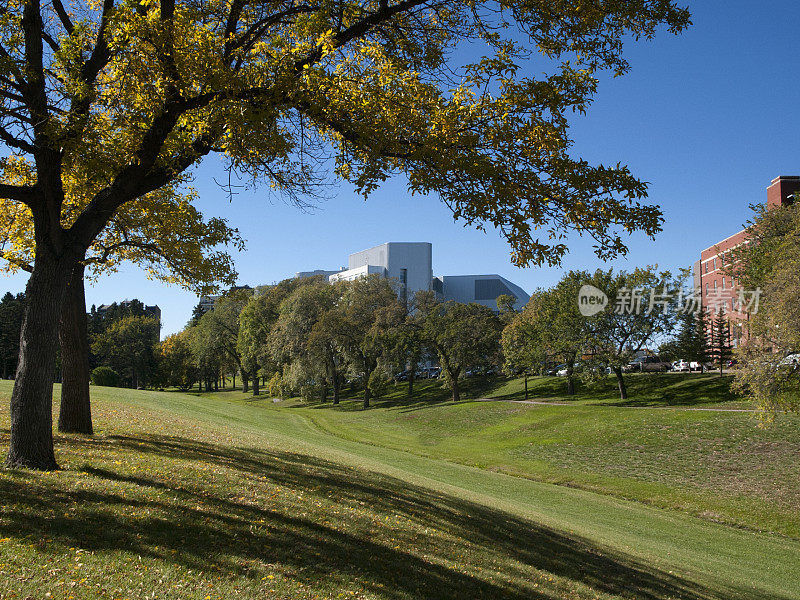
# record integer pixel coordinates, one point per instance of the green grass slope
(718, 465)
(186, 497)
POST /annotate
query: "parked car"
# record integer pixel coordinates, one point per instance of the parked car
(680, 366)
(696, 366)
(554, 371)
(648, 364)
(577, 368)
(791, 360)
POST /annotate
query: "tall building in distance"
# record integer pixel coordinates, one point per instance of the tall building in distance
(411, 265)
(718, 290)
(207, 302)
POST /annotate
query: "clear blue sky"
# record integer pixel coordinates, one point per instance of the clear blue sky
(707, 118)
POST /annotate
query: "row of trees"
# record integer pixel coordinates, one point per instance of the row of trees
(312, 337)
(552, 329)
(701, 338)
(11, 311)
(123, 337)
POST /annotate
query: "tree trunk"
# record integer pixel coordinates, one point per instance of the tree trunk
(337, 384)
(570, 382)
(75, 415)
(526, 387)
(255, 385)
(367, 396)
(367, 372)
(32, 399)
(623, 390)
(324, 394)
(410, 382)
(456, 389)
(245, 382)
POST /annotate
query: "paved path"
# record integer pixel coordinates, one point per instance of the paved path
(546, 403)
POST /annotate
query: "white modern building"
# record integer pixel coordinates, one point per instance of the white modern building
(411, 264)
(482, 289)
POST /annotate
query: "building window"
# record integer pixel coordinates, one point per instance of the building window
(723, 283)
(715, 264)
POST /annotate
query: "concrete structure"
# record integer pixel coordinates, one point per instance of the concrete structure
(149, 311)
(302, 274)
(482, 289)
(207, 302)
(411, 265)
(718, 290)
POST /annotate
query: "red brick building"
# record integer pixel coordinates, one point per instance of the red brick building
(718, 290)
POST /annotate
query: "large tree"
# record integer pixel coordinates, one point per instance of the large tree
(721, 349)
(523, 351)
(363, 325)
(176, 363)
(464, 336)
(128, 94)
(556, 324)
(219, 329)
(128, 346)
(300, 336)
(178, 247)
(768, 271)
(256, 322)
(641, 312)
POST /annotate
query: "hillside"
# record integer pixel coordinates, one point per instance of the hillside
(186, 497)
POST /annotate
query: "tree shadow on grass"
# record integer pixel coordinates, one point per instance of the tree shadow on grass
(181, 521)
(674, 389)
(427, 393)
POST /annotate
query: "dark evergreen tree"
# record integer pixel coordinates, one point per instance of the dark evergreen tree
(691, 344)
(197, 313)
(11, 312)
(721, 340)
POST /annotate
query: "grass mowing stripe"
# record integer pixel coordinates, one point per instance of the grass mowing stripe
(734, 561)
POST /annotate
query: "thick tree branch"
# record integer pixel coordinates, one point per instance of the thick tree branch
(15, 142)
(35, 92)
(63, 17)
(19, 193)
(21, 264)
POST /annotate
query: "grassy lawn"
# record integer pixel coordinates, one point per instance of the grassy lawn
(179, 496)
(716, 465)
(649, 389)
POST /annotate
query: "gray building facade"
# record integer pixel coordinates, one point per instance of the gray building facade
(411, 265)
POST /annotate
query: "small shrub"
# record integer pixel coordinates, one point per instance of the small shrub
(378, 384)
(105, 376)
(310, 392)
(277, 388)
